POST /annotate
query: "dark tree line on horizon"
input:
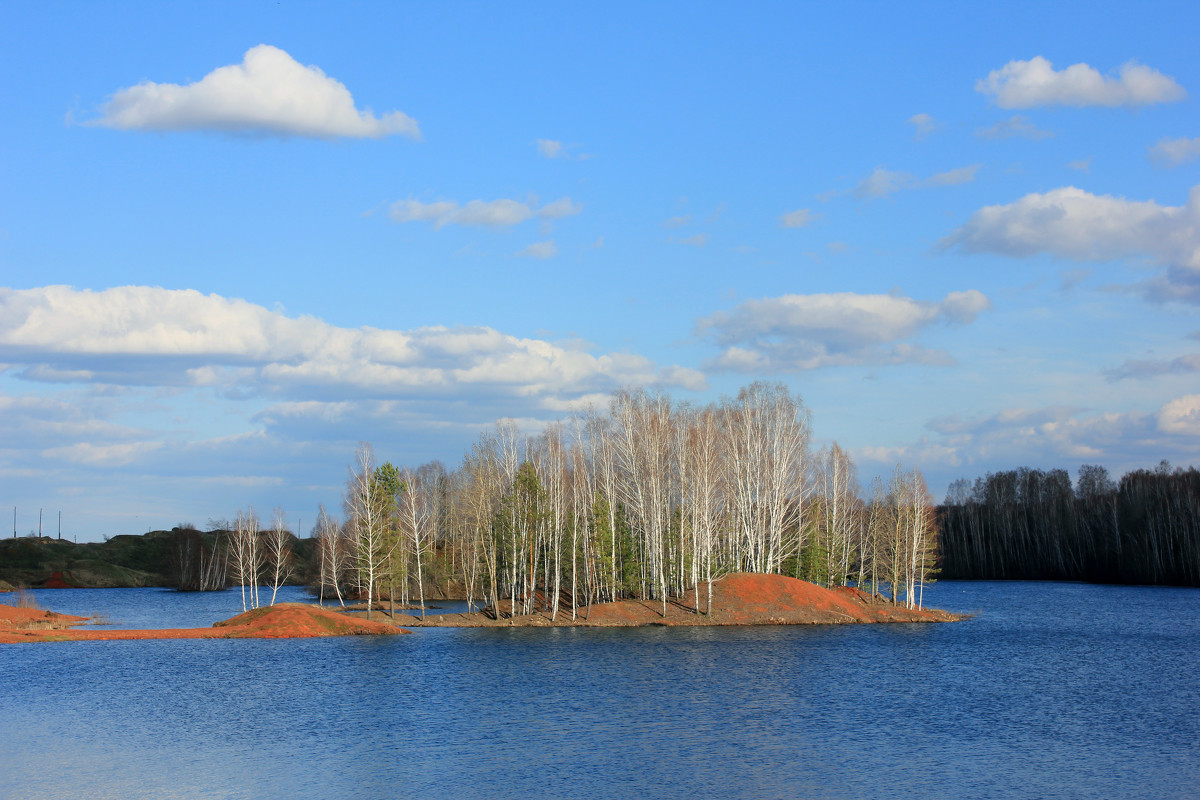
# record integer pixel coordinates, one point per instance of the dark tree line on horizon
(1030, 524)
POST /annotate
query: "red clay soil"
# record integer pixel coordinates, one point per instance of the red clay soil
(741, 599)
(282, 621)
(58, 581)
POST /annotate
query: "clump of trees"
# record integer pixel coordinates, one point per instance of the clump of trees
(648, 500)
(258, 557)
(240, 553)
(196, 560)
(1030, 524)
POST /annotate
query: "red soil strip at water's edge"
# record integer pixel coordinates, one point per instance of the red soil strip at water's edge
(282, 621)
(740, 599)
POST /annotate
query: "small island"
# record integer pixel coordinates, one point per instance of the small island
(740, 599)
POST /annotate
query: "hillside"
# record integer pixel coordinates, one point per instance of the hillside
(149, 559)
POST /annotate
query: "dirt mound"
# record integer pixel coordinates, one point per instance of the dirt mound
(282, 621)
(296, 620)
(739, 599)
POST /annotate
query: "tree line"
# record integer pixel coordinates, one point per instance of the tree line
(646, 500)
(1030, 524)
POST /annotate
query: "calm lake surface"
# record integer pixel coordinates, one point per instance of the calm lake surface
(1052, 690)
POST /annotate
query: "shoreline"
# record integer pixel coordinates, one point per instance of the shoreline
(281, 621)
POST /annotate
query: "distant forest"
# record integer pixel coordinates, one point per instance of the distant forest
(1030, 524)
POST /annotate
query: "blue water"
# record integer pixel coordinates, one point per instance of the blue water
(1052, 690)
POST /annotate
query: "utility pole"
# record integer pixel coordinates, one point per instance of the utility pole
(14, 522)
(39, 523)
(60, 524)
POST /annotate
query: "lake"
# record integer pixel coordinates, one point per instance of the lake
(1052, 690)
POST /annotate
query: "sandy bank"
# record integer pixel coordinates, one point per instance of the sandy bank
(282, 621)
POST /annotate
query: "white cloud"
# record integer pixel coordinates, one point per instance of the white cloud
(1032, 83)
(799, 218)
(1054, 434)
(146, 336)
(1072, 223)
(699, 240)
(678, 222)
(1014, 126)
(1181, 416)
(549, 148)
(545, 249)
(268, 93)
(799, 332)
(923, 124)
(562, 207)
(1080, 164)
(107, 455)
(881, 183)
(954, 177)
(500, 213)
(1173, 152)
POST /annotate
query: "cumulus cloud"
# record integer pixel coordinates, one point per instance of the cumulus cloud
(500, 213)
(1181, 416)
(799, 218)
(545, 249)
(1053, 434)
(268, 93)
(923, 124)
(1071, 223)
(1032, 83)
(1013, 127)
(799, 332)
(146, 336)
(1173, 152)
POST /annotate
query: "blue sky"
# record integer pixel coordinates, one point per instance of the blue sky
(236, 239)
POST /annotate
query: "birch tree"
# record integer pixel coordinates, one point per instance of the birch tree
(278, 553)
(331, 556)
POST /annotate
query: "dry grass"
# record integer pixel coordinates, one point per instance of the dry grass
(21, 597)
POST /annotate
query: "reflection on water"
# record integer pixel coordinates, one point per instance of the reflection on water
(1053, 690)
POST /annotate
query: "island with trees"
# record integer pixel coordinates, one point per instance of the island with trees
(648, 503)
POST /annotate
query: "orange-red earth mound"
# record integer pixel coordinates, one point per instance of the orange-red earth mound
(282, 621)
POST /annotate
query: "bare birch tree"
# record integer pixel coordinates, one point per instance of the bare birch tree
(278, 554)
